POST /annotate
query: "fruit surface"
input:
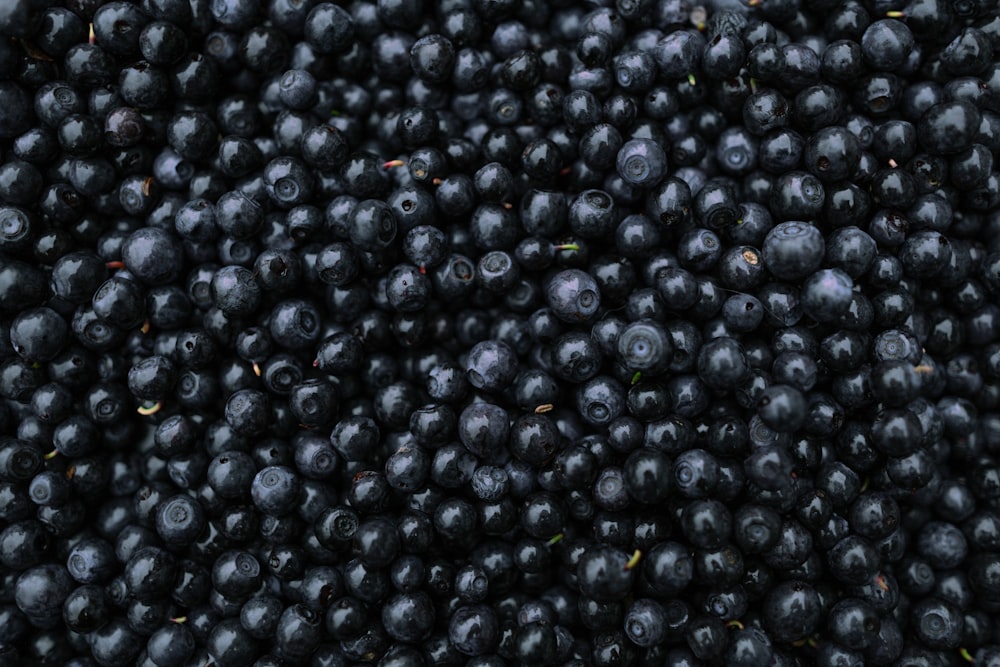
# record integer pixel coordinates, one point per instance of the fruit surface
(499, 332)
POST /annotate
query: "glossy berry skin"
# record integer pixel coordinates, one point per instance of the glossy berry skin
(474, 630)
(645, 475)
(748, 647)
(287, 182)
(408, 617)
(795, 606)
(275, 490)
(793, 250)
(295, 323)
(644, 347)
(826, 294)
(115, 642)
(722, 363)
(492, 365)
(39, 593)
(247, 411)
(641, 163)
(499, 332)
(602, 574)
(235, 292)
(573, 295)
(854, 624)
(153, 256)
(593, 214)
(782, 407)
(38, 334)
(886, 43)
(645, 623)
(938, 623)
(954, 119)
(171, 644)
(149, 572)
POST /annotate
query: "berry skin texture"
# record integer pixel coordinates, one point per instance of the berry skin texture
(641, 163)
(603, 575)
(488, 332)
(492, 365)
(791, 610)
(38, 334)
(793, 250)
(573, 296)
(474, 630)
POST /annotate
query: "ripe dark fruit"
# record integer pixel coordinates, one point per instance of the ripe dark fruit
(497, 332)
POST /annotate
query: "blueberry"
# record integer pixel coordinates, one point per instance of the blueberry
(38, 334)
(275, 490)
(288, 182)
(492, 365)
(641, 163)
(115, 642)
(39, 593)
(234, 291)
(236, 574)
(573, 295)
(295, 323)
(644, 347)
(179, 520)
(947, 128)
(247, 411)
(789, 346)
(826, 294)
(937, 623)
(723, 56)
(153, 256)
(474, 630)
(172, 643)
(791, 609)
(645, 623)
(149, 573)
(533, 439)
(602, 574)
(679, 53)
(601, 400)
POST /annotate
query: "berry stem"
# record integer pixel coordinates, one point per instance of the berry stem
(146, 410)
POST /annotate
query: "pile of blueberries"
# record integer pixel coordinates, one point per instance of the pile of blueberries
(499, 332)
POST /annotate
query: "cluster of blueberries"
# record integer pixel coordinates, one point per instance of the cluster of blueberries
(416, 333)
